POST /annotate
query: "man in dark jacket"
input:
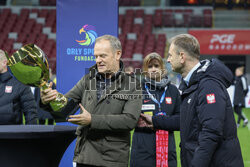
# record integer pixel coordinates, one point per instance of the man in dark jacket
(110, 107)
(208, 129)
(43, 115)
(16, 99)
(240, 92)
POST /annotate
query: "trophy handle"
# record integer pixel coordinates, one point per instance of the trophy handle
(59, 102)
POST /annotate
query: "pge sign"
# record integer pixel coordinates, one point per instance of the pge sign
(223, 39)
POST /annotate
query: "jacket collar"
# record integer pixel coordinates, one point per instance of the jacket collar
(192, 85)
(116, 85)
(188, 77)
(187, 89)
(194, 79)
(5, 76)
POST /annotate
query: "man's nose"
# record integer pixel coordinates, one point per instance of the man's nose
(153, 69)
(98, 59)
(168, 60)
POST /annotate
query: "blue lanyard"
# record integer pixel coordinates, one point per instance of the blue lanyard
(154, 99)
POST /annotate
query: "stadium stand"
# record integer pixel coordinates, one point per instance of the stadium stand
(29, 26)
(137, 27)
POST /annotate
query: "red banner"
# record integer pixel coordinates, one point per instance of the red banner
(223, 42)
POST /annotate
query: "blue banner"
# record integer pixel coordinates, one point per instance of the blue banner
(79, 23)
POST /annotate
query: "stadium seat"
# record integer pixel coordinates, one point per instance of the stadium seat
(129, 2)
(197, 21)
(139, 13)
(34, 10)
(54, 28)
(121, 20)
(136, 2)
(168, 18)
(129, 13)
(139, 49)
(187, 17)
(53, 53)
(44, 2)
(8, 45)
(21, 37)
(158, 17)
(178, 18)
(126, 3)
(2, 40)
(137, 28)
(43, 13)
(52, 2)
(37, 28)
(6, 11)
(52, 65)
(207, 14)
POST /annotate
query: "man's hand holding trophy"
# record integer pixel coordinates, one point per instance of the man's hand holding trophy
(30, 66)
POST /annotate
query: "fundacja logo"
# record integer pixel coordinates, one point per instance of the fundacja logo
(90, 35)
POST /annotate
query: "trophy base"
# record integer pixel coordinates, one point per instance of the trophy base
(59, 102)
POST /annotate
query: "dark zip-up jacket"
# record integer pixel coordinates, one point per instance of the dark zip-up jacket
(208, 128)
(16, 99)
(143, 153)
(241, 90)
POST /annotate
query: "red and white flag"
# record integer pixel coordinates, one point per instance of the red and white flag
(211, 98)
(8, 89)
(168, 100)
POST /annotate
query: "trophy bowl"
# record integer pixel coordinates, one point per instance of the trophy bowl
(30, 66)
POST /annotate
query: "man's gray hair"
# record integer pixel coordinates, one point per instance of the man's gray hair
(114, 42)
(187, 43)
(2, 55)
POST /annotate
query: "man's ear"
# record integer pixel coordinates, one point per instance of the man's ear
(118, 55)
(182, 57)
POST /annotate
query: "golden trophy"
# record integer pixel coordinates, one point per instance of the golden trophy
(30, 66)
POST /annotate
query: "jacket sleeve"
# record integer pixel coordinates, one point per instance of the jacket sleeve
(244, 85)
(169, 122)
(211, 112)
(74, 97)
(77, 91)
(28, 105)
(127, 120)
